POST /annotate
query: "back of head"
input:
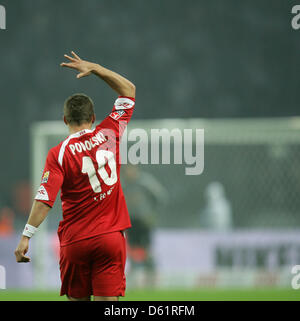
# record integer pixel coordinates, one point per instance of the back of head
(78, 109)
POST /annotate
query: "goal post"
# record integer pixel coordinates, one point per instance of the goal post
(255, 159)
(41, 133)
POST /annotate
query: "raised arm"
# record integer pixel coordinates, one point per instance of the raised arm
(117, 82)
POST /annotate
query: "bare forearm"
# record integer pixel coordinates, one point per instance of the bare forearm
(121, 85)
(38, 213)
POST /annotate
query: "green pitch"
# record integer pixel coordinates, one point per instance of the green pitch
(170, 295)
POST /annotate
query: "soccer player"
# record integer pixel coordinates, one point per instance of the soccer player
(86, 167)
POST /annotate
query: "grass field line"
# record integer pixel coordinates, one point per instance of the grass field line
(169, 295)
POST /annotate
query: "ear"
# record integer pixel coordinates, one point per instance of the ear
(93, 118)
(65, 121)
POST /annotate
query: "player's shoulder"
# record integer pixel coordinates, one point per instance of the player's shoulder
(122, 111)
(53, 152)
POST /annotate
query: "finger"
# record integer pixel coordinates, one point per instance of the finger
(76, 56)
(21, 257)
(83, 74)
(70, 58)
(68, 64)
(25, 259)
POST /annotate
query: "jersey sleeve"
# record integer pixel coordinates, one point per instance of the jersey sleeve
(52, 180)
(120, 116)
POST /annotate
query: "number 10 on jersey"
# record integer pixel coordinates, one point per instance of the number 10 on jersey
(102, 157)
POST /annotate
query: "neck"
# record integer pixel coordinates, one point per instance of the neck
(75, 129)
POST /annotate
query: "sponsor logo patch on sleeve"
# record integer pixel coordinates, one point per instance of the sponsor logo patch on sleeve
(42, 194)
(117, 114)
(45, 177)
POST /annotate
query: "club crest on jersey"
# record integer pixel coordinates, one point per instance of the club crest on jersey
(42, 194)
(45, 177)
(117, 114)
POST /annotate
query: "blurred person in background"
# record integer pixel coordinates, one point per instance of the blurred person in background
(21, 203)
(14, 213)
(7, 216)
(144, 195)
(217, 214)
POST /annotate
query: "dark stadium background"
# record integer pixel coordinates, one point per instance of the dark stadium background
(188, 59)
(211, 59)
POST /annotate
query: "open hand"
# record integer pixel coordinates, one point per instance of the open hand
(84, 68)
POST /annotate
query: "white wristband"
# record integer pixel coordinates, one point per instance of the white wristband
(29, 230)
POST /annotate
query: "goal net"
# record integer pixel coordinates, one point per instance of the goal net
(250, 183)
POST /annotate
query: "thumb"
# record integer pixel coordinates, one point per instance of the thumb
(83, 74)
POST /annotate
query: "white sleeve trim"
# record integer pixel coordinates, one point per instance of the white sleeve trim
(42, 194)
(124, 103)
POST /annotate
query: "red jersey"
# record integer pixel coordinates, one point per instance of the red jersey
(86, 167)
